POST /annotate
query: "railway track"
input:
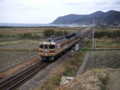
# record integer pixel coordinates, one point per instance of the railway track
(15, 81)
(18, 79)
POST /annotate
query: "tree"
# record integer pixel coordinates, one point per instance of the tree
(48, 32)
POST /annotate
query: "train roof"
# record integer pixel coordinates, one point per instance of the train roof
(57, 39)
(72, 35)
(62, 38)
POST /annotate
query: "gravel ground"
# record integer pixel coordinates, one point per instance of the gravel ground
(100, 59)
(12, 58)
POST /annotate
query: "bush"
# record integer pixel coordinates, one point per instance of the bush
(52, 33)
(28, 36)
(48, 32)
(109, 34)
(70, 71)
(57, 81)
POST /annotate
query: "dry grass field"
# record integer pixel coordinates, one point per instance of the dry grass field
(105, 38)
(102, 59)
(20, 45)
(97, 79)
(103, 43)
(16, 31)
(9, 59)
(107, 43)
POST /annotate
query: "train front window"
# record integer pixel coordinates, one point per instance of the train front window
(41, 46)
(51, 46)
(46, 46)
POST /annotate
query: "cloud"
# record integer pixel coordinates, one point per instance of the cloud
(116, 3)
(74, 4)
(1, 1)
(47, 10)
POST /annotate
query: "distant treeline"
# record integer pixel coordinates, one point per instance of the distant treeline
(30, 35)
(109, 34)
(54, 33)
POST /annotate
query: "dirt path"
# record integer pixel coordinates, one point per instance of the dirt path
(83, 64)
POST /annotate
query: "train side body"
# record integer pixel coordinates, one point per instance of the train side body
(53, 48)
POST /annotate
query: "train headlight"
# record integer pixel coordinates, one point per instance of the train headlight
(52, 51)
(41, 51)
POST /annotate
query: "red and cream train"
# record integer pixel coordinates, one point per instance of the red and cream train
(54, 47)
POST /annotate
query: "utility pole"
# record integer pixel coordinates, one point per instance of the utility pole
(93, 43)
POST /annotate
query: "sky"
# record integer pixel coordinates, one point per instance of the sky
(46, 11)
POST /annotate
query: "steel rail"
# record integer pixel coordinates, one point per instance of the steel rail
(23, 79)
(27, 73)
(19, 74)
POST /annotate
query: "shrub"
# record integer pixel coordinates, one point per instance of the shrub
(109, 34)
(52, 33)
(48, 32)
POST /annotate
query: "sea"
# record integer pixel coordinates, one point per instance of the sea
(39, 25)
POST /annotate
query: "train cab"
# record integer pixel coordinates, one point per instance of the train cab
(47, 50)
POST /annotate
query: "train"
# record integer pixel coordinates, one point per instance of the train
(53, 48)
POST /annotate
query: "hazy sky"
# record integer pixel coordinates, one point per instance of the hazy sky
(45, 11)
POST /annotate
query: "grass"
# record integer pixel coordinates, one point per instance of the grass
(86, 49)
(107, 43)
(102, 43)
(57, 81)
(69, 71)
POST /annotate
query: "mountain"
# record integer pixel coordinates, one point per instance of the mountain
(110, 17)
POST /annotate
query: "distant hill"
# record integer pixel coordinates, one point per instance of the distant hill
(110, 17)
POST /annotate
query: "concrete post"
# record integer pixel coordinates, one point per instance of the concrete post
(93, 43)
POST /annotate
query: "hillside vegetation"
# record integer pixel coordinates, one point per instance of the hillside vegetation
(110, 17)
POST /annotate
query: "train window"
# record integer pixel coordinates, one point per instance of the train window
(46, 46)
(52, 46)
(41, 46)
